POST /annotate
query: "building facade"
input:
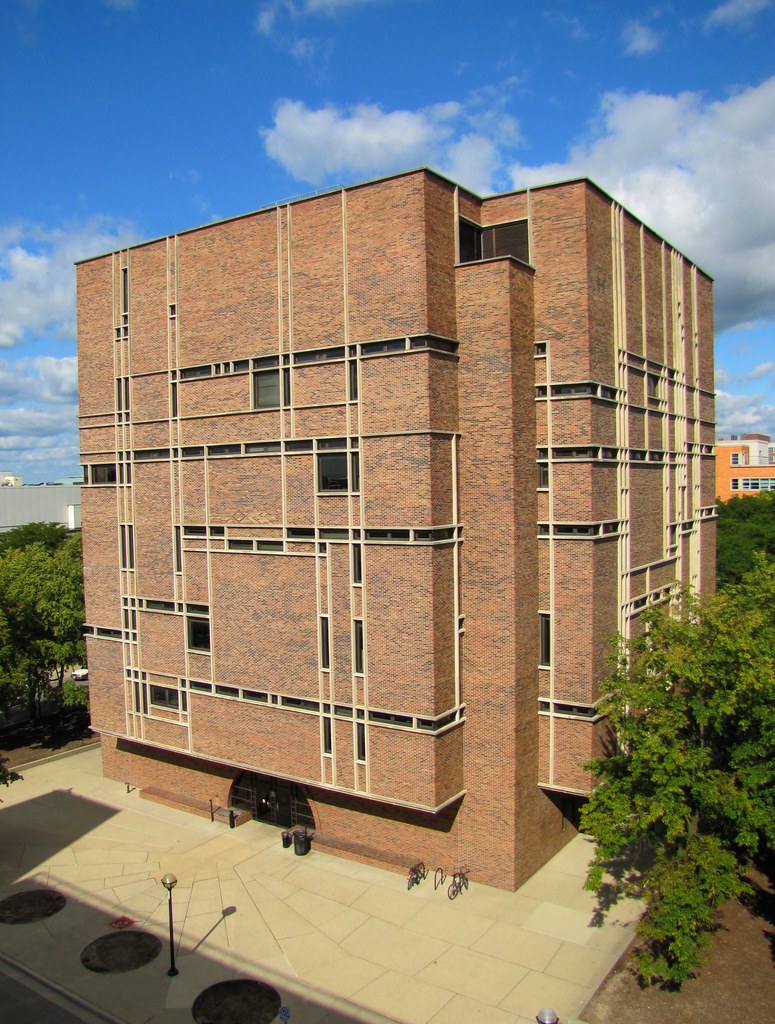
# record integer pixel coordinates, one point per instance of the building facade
(40, 503)
(371, 480)
(744, 465)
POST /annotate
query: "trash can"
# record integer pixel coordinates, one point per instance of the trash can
(300, 842)
(287, 838)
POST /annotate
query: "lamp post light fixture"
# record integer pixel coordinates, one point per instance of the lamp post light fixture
(169, 881)
(547, 1016)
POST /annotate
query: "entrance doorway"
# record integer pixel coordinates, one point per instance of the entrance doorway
(275, 801)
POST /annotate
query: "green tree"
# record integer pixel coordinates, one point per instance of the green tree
(41, 617)
(50, 535)
(745, 525)
(691, 778)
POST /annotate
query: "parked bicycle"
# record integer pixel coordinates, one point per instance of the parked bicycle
(458, 883)
(417, 872)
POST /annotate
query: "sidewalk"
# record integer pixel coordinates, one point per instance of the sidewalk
(339, 941)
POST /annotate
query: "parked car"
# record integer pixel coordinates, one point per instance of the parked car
(79, 674)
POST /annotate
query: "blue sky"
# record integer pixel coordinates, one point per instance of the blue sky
(123, 120)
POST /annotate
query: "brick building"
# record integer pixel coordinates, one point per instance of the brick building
(744, 465)
(370, 480)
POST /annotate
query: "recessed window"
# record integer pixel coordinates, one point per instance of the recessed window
(164, 697)
(357, 563)
(543, 475)
(266, 389)
(544, 639)
(332, 471)
(103, 474)
(358, 645)
(327, 744)
(198, 634)
(360, 735)
(325, 646)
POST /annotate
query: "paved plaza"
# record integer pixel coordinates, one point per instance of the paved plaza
(339, 941)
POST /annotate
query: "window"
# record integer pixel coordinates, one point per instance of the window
(127, 534)
(198, 634)
(357, 563)
(509, 239)
(652, 387)
(125, 290)
(325, 648)
(543, 475)
(358, 645)
(332, 471)
(360, 733)
(470, 238)
(352, 380)
(266, 389)
(192, 372)
(544, 639)
(327, 740)
(164, 697)
(178, 551)
(734, 459)
(355, 471)
(103, 474)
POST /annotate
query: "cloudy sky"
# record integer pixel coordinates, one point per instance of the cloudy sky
(123, 120)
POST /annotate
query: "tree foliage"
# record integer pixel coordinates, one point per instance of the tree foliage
(745, 525)
(692, 775)
(41, 619)
(50, 535)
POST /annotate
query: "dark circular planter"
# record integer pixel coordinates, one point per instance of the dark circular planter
(121, 952)
(30, 905)
(237, 1002)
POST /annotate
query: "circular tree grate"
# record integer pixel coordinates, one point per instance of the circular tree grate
(237, 1002)
(30, 905)
(120, 952)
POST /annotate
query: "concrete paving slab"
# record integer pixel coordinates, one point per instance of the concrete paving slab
(462, 1010)
(579, 964)
(283, 921)
(517, 945)
(386, 904)
(443, 920)
(472, 974)
(563, 923)
(393, 947)
(403, 999)
(344, 924)
(309, 952)
(536, 990)
(344, 976)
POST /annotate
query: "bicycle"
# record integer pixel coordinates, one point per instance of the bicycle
(458, 883)
(417, 872)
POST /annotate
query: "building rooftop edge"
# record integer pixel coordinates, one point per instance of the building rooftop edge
(388, 177)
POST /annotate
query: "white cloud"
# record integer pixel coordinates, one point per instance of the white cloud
(37, 277)
(639, 39)
(736, 12)
(461, 140)
(761, 371)
(699, 173)
(271, 13)
(749, 414)
(43, 379)
(314, 144)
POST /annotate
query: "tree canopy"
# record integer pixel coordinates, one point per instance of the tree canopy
(50, 535)
(691, 777)
(41, 619)
(745, 525)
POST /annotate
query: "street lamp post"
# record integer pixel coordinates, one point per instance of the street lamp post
(169, 881)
